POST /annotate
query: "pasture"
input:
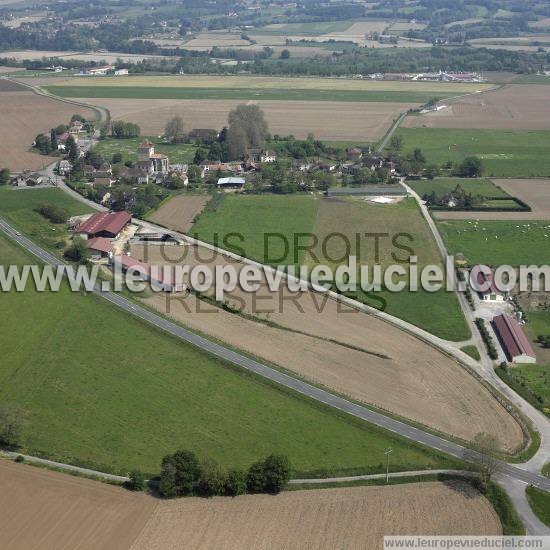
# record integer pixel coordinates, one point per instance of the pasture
(24, 115)
(505, 153)
(353, 517)
(442, 186)
(349, 121)
(114, 410)
(535, 378)
(508, 108)
(181, 153)
(498, 242)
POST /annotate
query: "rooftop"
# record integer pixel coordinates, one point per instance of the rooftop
(512, 336)
(112, 222)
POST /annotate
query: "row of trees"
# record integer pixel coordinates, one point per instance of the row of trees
(120, 129)
(183, 474)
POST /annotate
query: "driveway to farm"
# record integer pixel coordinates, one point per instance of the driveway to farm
(312, 392)
(485, 367)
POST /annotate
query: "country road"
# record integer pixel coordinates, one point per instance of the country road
(312, 392)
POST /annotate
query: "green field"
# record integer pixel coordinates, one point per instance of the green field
(17, 206)
(272, 94)
(540, 503)
(498, 242)
(504, 153)
(442, 186)
(531, 79)
(104, 390)
(178, 153)
(287, 216)
(536, 378)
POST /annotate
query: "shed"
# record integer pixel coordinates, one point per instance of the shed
(515, 344)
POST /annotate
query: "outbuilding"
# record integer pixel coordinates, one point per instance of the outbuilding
(103, 224)
(513, 340)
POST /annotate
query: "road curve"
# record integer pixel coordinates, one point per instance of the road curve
(395, 426)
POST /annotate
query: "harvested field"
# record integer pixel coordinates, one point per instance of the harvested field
(180, 212)
(21, 55)
(511, 107)
(43, 509)
(348, 120)
(23, 115)
(351, 518)
(534, 192)
(346, 350)
(211, 39)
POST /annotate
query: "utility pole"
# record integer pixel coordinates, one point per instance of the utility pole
(388, 452)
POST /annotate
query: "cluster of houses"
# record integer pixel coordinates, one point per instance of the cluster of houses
(104, 70)
(441, 76)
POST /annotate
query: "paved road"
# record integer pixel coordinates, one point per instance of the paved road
(312, 392)
(414, 473)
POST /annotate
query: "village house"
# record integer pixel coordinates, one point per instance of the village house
(99, 247)
(214, 167)
(261, 155)
(64, 167)
(103, 224)
(513, 340)
(488, 290)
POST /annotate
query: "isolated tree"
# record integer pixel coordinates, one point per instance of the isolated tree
(488, 448)
(237, 141)
(11, 425)
(470, 167)
(43, 144)
(285, 54)
(175, 130)
(252, 121)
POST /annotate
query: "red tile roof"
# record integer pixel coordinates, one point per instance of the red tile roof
(112, 222)
(483, 279)
(512, 336)
(160, 274)
(100, 244)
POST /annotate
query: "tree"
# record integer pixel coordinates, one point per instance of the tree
(78, 251)
(167, 483)
(471, 167)
(487, 461)
(212, 479)
(72, 150)
(53, 140)
(11, 425)
(419, 157)
(116, 158)
(285, 54)
(251, 119)
(43, 144)
(186, 472)
(175, 130)
(194, 174)
(54, 212)
(137, 481)
(120, 129)
(396, 142)
(237, 142)
(200, 156)
(5, 176)
(269, 475)
(235, 483)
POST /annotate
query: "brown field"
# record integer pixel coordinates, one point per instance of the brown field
(43, 509)
(180, 212)
(351, 518)
(509, 108)
(34, 54)
(535, 192)
(541, 23)
(330, 120)
(353, 353)
(211, 39)
(23, 115)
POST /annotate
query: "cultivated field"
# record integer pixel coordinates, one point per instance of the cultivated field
(352, 518)
(505, 153)
(179, 213)
(348, 351)
(534, 192)
(508, 108)
(23, 115)
(99, 57)
(43, 509)
(348, 120)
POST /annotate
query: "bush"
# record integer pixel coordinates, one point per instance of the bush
(78, 251)
(212, 479)
(235, 483)
(11, 426)
(19, 458)
(137, 481)
(269, 475)
(180, 472)
(54, 213)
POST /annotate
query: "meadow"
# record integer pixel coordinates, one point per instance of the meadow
(104, 390)
(181, 153)
(442, 186)
(288, 216)
(504, 153)
(498, 242)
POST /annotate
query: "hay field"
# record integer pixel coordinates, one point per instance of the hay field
(511, 107)
(180, 212)
(351, 518)
(24, 115)
(44, 509)
(345, 350)
(535, 192)
(328, 120)
(273, 82)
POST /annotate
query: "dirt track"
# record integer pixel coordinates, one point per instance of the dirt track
(348, 351)
(534, 192)
(24, 115)
(352, 518)
(43, 509)
(513, 107)
(179, 213)
(330, 120)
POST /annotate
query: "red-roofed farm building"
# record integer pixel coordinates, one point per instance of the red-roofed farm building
(513, 340)
(489, 292)
(99, 247)
(103, 224)
(160, 277)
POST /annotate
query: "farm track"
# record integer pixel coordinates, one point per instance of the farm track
(312, 392)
